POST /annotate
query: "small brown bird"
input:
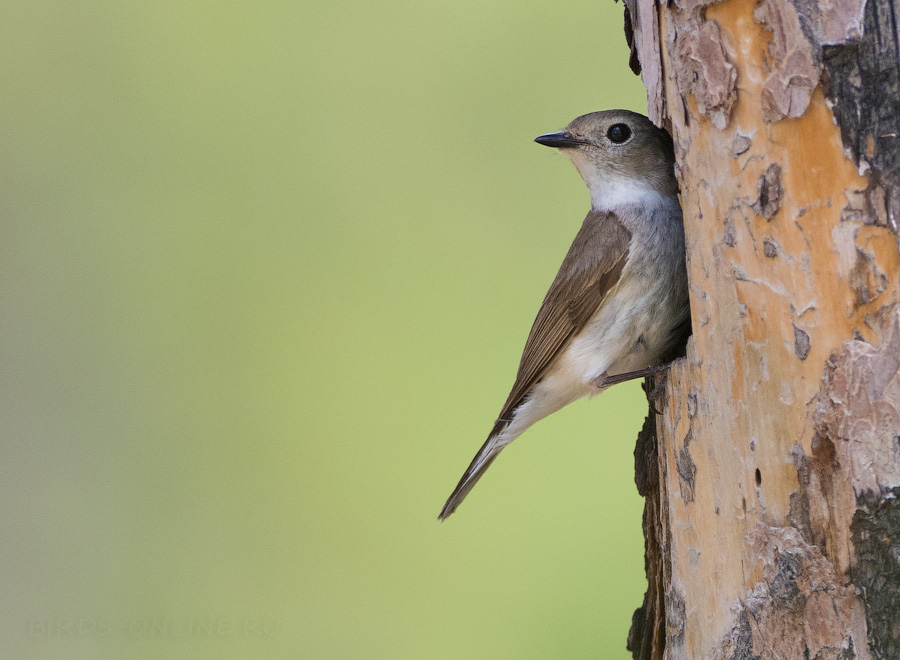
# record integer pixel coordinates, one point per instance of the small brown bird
(618, 307)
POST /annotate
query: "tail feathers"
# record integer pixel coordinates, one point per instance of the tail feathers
(482, 461)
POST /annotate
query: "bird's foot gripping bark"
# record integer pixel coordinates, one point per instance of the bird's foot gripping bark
(606, 380)
(655, 392)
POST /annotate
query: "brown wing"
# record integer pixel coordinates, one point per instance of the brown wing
(590, 270)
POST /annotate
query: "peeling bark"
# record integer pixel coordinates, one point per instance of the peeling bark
(772, 523)
(768, 191)
(793, 63)
(705, 71)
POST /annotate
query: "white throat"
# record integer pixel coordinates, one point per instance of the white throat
(609, 194)
(610, 190)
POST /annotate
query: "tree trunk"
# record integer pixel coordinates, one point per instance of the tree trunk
(772, 473)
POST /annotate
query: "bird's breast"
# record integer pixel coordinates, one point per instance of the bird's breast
(628, 332)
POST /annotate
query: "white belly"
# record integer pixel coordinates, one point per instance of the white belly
(629, 332)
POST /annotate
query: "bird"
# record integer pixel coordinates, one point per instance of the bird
(618, 308)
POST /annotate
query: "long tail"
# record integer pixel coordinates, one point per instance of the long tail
(491, 448)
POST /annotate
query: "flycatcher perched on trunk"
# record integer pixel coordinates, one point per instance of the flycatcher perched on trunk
(618, 307)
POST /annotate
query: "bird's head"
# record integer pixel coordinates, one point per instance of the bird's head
(622, 157)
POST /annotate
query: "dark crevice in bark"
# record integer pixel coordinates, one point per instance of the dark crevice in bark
(646, 639)
(862, 79)
(875, 532)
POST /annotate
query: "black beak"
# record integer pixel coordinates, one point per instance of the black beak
(561, 140)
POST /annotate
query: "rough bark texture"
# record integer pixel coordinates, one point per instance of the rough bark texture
(773, 518)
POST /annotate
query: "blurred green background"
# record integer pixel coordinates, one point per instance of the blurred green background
(267, 269)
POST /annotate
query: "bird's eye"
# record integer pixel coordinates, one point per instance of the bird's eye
(618, 133)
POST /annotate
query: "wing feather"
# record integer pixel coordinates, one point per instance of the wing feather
(589, 272)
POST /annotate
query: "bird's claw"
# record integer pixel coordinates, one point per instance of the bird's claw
(654, 393)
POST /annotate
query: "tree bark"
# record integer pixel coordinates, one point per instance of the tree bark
(772, 473)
